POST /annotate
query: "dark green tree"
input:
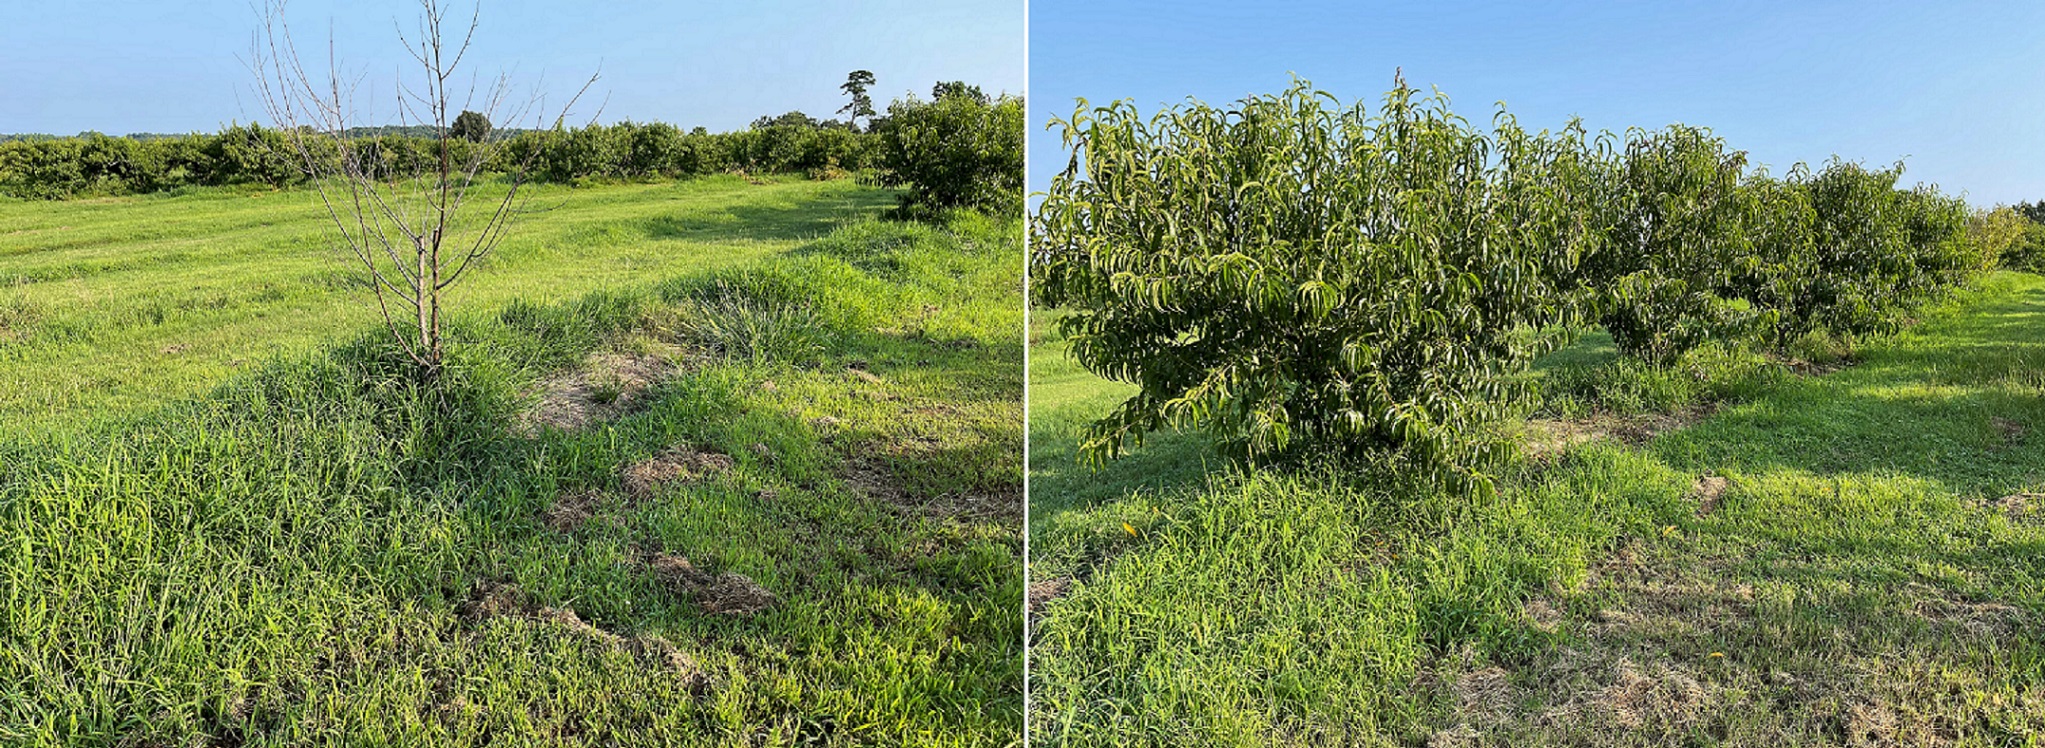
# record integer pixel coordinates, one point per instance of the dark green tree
(947, 89)
(790, 119)
(1299, 277)
(2034, 211)
(471, 126)
(861, 105)
(956, 152)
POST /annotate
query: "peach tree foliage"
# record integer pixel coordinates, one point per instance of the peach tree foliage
(1845, 251)
(1295, 276)
(959, 150)
(1674, 220)
(1997, 231)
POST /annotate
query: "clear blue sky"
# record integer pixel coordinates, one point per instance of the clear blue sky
(129, 66)
(1956, 87)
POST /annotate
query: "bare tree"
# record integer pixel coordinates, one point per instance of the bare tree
(409, 226)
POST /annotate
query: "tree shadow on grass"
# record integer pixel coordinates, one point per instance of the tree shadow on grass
(1060, 482)
(1945, 403)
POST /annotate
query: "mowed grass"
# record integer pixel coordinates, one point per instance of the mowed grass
(319, 552)
(1872, 572)
(116, 305)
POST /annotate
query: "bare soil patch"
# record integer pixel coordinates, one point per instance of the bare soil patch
(1485, 693)
(1684, 648)
(1004, 503)
(872, 478)
(572, 508)
(1543, 615)
(681, 463)
(1549, 437)
(605, 387)
(864, 375)
(494, 599)
(1705, 493)
(1043, 591)
(2010, 431)
(2020, 506)
(726, 594)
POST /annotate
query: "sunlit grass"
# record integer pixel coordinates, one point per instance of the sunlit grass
(300, 555)
(115, 305)
(1860, 580)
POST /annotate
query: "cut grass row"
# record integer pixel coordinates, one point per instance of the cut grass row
(1861, 578)
(116, 305)
(318, 553)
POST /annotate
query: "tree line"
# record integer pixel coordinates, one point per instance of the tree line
(1297, 276)
(891, 145)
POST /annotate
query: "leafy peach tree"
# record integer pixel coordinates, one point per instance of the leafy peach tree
(1675, 233)
(1296, 276)
(1846, 252)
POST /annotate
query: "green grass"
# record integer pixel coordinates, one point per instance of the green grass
(116, 305)
(1859, 582)
(317, 552)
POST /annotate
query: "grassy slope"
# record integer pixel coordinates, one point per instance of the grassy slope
(1856, 584)
(116, 305)
(301, 557)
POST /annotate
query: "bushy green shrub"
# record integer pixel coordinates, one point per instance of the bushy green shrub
(1674, 235)
(1997, 232)
(1856, 255)
(1296, 278)
(2027, 252)
(958, 151)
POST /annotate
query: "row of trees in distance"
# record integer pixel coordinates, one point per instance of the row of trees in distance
(977, 138)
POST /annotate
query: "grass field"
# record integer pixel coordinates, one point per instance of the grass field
(764, 490)
(1753, 556)
(115, 305)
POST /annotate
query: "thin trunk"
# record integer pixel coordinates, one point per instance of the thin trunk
(427, 301)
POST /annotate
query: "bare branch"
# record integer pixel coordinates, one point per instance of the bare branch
(395, 214)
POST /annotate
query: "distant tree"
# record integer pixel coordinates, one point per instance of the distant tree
(471, 126)
(2034, 211)
(792, 119)
(861, 105)
(947, 89)
(2000, 233)
(2027, 252)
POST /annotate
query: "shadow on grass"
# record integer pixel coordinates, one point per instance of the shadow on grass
(1948, 402)
(1059, 482)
